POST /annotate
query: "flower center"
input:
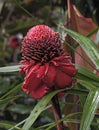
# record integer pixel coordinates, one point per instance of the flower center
(41, 44)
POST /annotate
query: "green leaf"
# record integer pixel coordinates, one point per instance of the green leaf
(20, 123)
(7, 125)
(88, 85)
(38, 109)
(16, 88)
(88, 45)
(26, 11)
(10, 69)
(17, 125)
(76, 91)
(92, 32)
(86, 74)
(89, 110)
(6, 100)
(67, 118)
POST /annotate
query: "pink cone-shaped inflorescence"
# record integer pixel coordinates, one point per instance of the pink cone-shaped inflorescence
(44, 62)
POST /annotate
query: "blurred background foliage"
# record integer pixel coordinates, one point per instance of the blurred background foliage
(16, 17)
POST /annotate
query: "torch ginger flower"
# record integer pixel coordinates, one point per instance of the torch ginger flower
(44, 62)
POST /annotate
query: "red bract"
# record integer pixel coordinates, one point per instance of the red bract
(14, 42)
(44, 62)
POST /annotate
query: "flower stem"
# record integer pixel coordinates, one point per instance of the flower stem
(57, 112)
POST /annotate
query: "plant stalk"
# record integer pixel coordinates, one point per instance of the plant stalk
(57, 112)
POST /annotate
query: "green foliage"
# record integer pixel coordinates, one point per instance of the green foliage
(88, 45)
(89, 110)
(38, 109)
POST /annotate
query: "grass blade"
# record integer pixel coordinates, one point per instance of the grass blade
(89, 109)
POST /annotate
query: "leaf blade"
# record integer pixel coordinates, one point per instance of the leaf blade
(88, 45)
(89, 109)
(86, 73)
(38, 109)
(10, 69)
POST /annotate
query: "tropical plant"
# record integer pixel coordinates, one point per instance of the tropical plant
(48, 108)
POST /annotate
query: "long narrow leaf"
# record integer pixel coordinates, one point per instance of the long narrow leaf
(10, 68)
(38, 109)
(17, 87)
(2, 101)
(88, 85)
(26, 11)
(7, 125)
(67, 118)
(88, 45)
(89, 109)
(87, 74)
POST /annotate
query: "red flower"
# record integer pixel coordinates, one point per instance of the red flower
(44, 62)
(14, 42)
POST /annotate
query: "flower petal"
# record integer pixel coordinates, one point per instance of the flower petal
(31, 82)
(34, 86)
(49, 75)
(61, 60)
(64, 64)
(68, 69)
(40, 92)
(26, 65)
(41, 72)
(62, 80)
